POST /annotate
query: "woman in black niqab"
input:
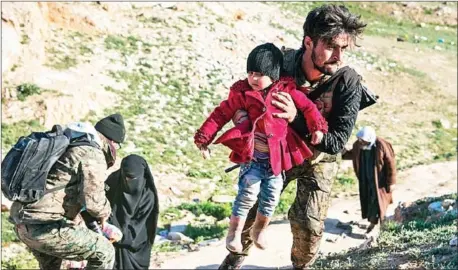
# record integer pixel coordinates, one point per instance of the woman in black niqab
(135, 208)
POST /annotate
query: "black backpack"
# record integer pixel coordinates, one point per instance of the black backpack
(27, 164)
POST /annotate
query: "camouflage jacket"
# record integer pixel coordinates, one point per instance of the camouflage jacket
(82, 171)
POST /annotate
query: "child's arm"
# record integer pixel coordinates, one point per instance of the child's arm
(315, 121)
(217, 119)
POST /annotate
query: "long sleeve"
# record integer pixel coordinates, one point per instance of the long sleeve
(389, 162)
(345, 106)
(218, 118)
(315, 121)
(92, 186)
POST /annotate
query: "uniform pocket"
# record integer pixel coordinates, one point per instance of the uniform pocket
(324, 174)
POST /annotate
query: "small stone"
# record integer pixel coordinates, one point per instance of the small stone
(177, 236)
(176, 191)
(453, 242)
(438, 48)
(447, 203)
(445, 123)
(222, 198)
(211, 242)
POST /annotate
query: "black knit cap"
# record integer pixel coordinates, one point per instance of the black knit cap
(267, 59)
(112, 127)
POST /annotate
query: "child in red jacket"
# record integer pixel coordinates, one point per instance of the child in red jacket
(265, 148)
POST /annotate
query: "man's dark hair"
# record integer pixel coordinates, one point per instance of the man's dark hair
(328, 21)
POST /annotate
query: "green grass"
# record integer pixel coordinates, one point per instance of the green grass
(23, 260)
(219, 211)
(167, 247)
(12, 132)
(418, 242)
(206, 231)
(286, 199)
(73, 49)
(126, 45)
(27, 89)
(216, 210)
(379, 24)
(8, 234)
(444, 142)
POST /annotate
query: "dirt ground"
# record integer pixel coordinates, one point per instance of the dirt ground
(418, 182)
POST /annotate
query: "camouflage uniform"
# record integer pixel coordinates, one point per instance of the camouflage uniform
(314, 183)
(49, 226)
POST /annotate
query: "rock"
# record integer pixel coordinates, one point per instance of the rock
(447, 203)
(178, 227)
(161, 239)
(396, 13)
(211, 242)
(445, 123)
(6, 204)
(177, 236)
(438, 48)
(11, 49)
(400, 39)
(332, 239)
(222, 198)
(453, 242)
(176, 191)
(435, 207)
(193, 247)
(402, 211)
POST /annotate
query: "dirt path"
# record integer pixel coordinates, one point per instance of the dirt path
(422, 181)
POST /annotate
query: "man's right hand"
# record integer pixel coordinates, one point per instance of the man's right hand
(284, 102)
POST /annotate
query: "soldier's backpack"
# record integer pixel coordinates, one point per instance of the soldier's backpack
(27, 164)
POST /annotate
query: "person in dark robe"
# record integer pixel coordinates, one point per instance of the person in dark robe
(135, 208)
(375, 167)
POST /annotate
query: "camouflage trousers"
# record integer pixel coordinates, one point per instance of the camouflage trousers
(306, 215)
(50, 243)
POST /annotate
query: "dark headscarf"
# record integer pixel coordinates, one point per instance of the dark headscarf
(135, 208)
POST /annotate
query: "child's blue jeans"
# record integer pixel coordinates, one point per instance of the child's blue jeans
(256, 178)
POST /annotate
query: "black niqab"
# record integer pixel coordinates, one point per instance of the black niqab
(135, 208)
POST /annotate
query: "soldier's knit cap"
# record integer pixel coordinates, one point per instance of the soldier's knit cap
(112, 127)
(267, 59)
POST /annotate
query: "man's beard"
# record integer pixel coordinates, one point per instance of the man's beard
(322, 69)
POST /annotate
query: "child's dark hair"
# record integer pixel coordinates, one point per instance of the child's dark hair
(267, 59)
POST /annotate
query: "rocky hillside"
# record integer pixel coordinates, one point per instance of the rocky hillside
(164, 66)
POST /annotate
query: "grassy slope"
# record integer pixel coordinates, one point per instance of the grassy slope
(176, 108)
(416, 242)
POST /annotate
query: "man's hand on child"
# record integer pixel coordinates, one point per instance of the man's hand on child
(317, 137)
(284, 102)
